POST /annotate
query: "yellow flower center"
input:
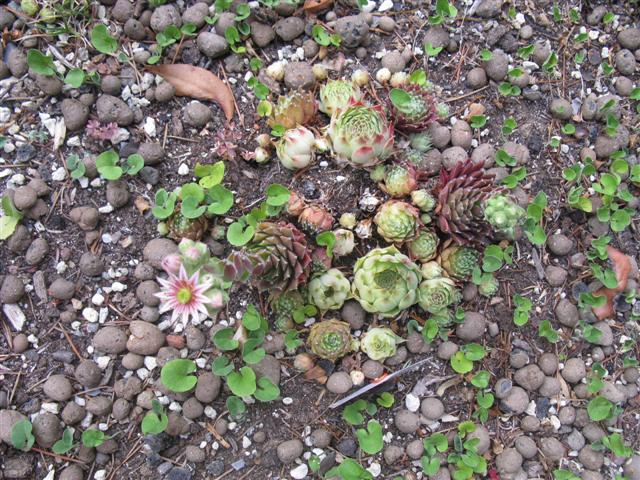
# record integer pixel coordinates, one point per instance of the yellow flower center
(184, 295)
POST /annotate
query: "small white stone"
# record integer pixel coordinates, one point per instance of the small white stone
(103, 362)
(150, 362)
(100, 475)
(246, 443)
(175, 407)
(287, 400)
(183, 169)
(142, 373)
(210, 412)
(90, 314)
(50, 475)
(201, 362)
(385, 5)
(61, 267)
(59, 174)
(412, 402)
(374, 469)
(97, 299)
(106, 209)
(118, 287)
(150, 127)
(50, 407)
(299, 472)
(357, 377)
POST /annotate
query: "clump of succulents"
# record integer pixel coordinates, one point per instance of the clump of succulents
(320, 260)
(400, 180)
(360, 135)
(422, 199)
(329, 290)
(489, 286)
(284, 306)
(380, 343)
(179, 226)
(431, 270)
(459, 261)
(397, 221)
(437, 294)
(503, 214)
(385, 281)
(331, 339)
(461, 196)
(424, 246)
(345, 242)
(277, 259)
(412, 108)
(293, 110)
(296, 204)
(336, 95)
(195, 284)
(295, 149)
(315, 219)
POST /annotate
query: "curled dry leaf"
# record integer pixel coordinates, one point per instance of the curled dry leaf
(141, 204)
(622, 269)
(315, 6)
(196, 82)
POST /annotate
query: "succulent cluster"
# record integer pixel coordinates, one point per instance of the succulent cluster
(296, 148)
(331, 339)
(276, 260)
(180, 226)
(329, 290)
(413, 108)
(459, 261)
(397, 221)
(503, 214)
(336, 96)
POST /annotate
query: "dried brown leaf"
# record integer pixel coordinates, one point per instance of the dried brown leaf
(315, 6)
(622, 269)
(141, 204)
(196, 82)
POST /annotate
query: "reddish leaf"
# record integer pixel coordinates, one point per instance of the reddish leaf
(622, 269)
(315, 6)
(196, 82)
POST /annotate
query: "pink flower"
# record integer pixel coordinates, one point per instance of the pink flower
(183, 295)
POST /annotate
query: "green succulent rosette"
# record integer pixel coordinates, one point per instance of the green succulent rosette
(437, 294)
(400, 180)
(380, 343)
(331, 339)
(459, 262)
(397, 221)
(424, 246)
(385, 281)
(329, 290)
(503, 214)
(335, 96)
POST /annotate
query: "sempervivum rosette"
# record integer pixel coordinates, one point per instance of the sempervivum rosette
(385, 281)
(329, 290)
(461, 196)
(458, 261)
(295, 109)
(331, 339)
(182, 227)
(277, 259)
(360, 135)
(503, 214)
(437, 294)
(424, 246)
(400, 180)
(412, 108)
(397, 221)
(336, 95)
(380, 343)
(295, 149)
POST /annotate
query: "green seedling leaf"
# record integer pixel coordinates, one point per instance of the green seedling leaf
(349, 469)
(222, 366)
(220, 200)
(134, 163)
(209, 175)
(223, 339)
(155, 421)
(236, 406)
(92, 438)
(478, 121)
(240, 233)
(291, 340)
(460, 363)
(599, 408)
(400, 99)
(102, 40)
(277, 195)
(243, 383)
(40, 63)
(164, 204)
(481, 379)
(75, 78)
(370, 440)
(21, 436)
(107, 165)
(250, 353)
(385, 400)
(327, 239)
(65, 444)
(546, 330)
(175, 375)
(76, 166)
(266, 391)
(352, 413)
(251, 319)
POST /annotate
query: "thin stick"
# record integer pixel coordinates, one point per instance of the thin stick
(235, 104)
(71, 344)
(15, 387)
(453, 99)
(54, 455)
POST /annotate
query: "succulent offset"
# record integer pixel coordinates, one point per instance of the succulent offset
(329, 290)
(461, 196)
(336, 95)
(315, 219)
(459, 261)
(437, 294)
(385, 281)
(503, 214)
(284, 306)
(400, 180)
(331, 339)
(489, 286)
(424, 246)
(397, 221)
(182, 227)
(412, 108)
(380, 343)
(423, 200)
(295, 109)
(276, 260)
(295, 149)
(360, 135)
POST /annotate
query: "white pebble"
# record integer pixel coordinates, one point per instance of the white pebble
(374, 469)
(183, 169)
(118, 287)
(103, 362)
(246, 443)
(142, 373)
(175, 407)
(90, 314)
(201, 362)
(59, 174)
(106, 209)
(150, 362)
(97, 299)
(150, 127)
(287, 400)
(50, 407)
(412, 402)
(100, 475)
(210, 412)
(299, 472)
